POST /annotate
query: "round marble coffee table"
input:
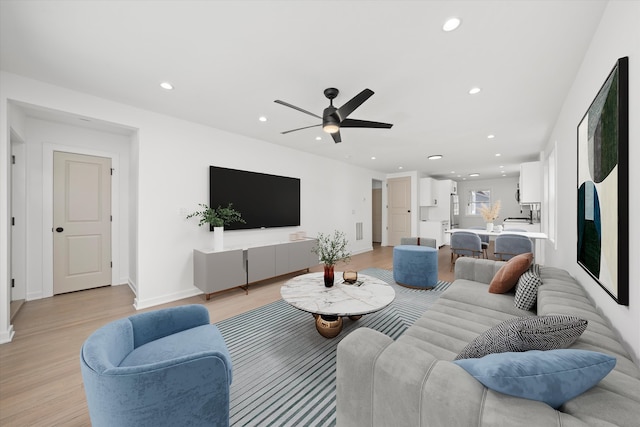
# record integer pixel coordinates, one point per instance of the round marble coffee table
(329, 305)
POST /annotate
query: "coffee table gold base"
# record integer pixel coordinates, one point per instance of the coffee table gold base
(329, 326)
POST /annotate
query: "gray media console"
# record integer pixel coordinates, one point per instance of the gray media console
(222, 270)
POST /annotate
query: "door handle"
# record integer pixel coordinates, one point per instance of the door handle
(59, 229)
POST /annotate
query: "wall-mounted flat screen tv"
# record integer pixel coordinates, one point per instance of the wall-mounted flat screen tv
(263, 200)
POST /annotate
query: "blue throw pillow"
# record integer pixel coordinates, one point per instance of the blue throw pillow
(552, 377)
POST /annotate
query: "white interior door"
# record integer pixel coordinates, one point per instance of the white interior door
(81, 222)
(399, 209)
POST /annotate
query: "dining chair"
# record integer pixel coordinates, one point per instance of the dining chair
(509, 245)
(484, 240)
(465, 243)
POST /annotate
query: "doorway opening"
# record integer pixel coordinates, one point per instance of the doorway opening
(376, 211)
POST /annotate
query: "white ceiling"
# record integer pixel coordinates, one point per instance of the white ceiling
(229, 60)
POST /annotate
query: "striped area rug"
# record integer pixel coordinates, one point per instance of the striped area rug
(284, 371)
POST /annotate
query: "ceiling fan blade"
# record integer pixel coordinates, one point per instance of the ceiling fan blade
(293, 130)
(353, 123)
(336, 137)
(348, 108)
(286, 104)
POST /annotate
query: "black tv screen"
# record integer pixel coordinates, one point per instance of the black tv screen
(263, 200)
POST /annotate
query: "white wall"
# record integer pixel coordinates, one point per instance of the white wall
(174, 161)
(42, 138)
(618, 35)
(503, 189)
(169, 160)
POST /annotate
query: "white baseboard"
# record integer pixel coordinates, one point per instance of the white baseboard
(133, 287)
(7, 336)
(152, 302)
(32, 296)
(361, 251)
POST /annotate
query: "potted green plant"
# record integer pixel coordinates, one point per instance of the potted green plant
(331, 249)
(217, 218)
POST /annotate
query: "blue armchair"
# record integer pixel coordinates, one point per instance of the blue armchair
(167, 367)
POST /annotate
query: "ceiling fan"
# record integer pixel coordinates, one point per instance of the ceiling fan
(335, 118)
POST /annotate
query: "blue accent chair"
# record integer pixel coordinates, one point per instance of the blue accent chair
(509, 245)
(465, 243)
(167, 367)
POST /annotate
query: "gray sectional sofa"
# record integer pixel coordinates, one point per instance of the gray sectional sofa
(413, 382)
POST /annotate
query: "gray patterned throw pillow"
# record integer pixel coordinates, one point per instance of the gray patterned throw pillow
(526, 333)
(527, 290)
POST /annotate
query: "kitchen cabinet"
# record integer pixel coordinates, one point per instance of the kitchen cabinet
(434, 230)
(530, 183)
(442, 194)
(428, 192)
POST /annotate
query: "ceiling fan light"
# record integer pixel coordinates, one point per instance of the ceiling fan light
(330, 128)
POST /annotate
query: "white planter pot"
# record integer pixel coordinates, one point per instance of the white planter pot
(218, 238)
(489, 226)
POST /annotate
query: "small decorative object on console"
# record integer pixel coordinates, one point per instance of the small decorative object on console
(217, 218)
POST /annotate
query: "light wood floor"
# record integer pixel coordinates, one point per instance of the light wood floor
(40, 380)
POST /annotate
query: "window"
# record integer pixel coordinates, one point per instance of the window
(476, 199)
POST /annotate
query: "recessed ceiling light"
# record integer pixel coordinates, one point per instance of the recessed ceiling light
(501, 166)
(491, 136)
(498, 154)
(474, 90)
(400, 167)
(373, 158)
(166, 86)
(453, 171)
(435, 157)
(474, 174)
(451, 24)
(262, 118)
(318, 138)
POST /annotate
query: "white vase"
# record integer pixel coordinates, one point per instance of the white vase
(218, 238)
(489, 226)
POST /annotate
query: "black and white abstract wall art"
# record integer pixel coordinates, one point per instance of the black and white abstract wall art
(603, 186)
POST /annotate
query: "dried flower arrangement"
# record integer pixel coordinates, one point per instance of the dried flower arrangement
(490, 213)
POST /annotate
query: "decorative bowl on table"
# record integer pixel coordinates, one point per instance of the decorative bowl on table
(350, 277)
